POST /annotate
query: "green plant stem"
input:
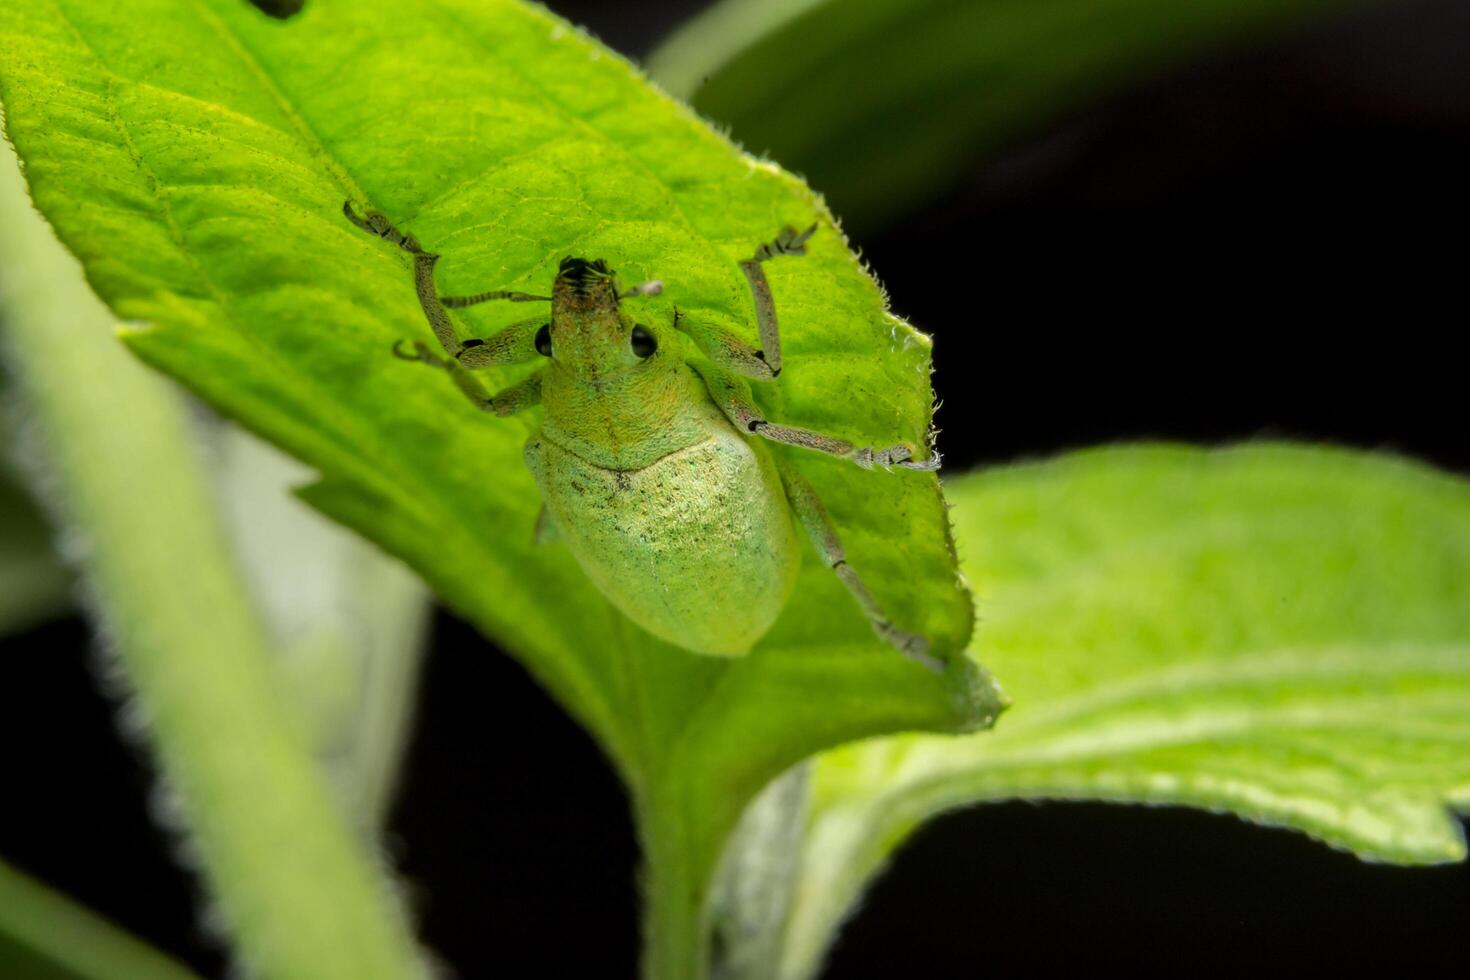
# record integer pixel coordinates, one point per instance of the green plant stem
(62, 932)
(709, 913)
(294, 886)
(673, 936)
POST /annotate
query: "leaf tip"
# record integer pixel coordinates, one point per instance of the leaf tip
(978, 699)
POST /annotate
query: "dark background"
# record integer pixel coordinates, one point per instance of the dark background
(1267, 243)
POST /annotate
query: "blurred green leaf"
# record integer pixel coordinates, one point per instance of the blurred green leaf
(1275, 631)
(44, 935)
(195, 155)
(34, 586)
(885, 104)
(294, 886)
(347, 622)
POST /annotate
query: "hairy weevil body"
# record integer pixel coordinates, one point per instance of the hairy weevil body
(651, 466)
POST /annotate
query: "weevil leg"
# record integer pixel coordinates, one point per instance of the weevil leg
(725, 349)
(517, 398)
(650, 288)
(377, 223)
(789, 242)
(812, 515)
(515, 344)
(732, 395)
(460, 302)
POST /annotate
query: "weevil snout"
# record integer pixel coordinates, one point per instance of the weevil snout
(590, 335)
(585, 283)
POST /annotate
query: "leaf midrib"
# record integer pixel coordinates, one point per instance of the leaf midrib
(306, 133)
(419, 504)
(637, 682)
(712, 254)
(685, 734)
(1203, 675)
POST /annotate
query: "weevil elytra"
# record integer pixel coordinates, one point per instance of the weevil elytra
(648, 461)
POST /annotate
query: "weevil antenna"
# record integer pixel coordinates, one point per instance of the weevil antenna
(651, 288)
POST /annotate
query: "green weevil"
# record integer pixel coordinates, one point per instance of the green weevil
(645, 459)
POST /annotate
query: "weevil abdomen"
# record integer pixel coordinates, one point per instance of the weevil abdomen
(698, 547)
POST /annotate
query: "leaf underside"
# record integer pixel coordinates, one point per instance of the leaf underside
(1273, 631)
(195, 155)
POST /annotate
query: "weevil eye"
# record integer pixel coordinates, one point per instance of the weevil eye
(543, 340)
(643, 343)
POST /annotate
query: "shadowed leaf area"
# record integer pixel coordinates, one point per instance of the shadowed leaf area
(833, 87)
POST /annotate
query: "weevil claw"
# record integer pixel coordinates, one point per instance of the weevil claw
(420, 352)
(377, 223)
(796, 242)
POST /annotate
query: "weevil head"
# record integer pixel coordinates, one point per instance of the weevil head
(590, 334)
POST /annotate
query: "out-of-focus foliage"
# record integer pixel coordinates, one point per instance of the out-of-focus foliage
(885, 104)
(290, 880)
(346, 622)
(44, 936)
(33, 583)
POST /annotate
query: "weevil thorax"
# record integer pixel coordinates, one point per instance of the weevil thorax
(612, 394)
(679, 519)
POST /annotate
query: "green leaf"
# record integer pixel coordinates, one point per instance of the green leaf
(195, 155)
(294, 886)
(1275, 631)
(44, 934)
(885, 104)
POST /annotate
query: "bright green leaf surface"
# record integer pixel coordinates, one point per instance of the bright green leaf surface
(195, 155)
(1274, 631)
(44, 935)
(884, 104)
